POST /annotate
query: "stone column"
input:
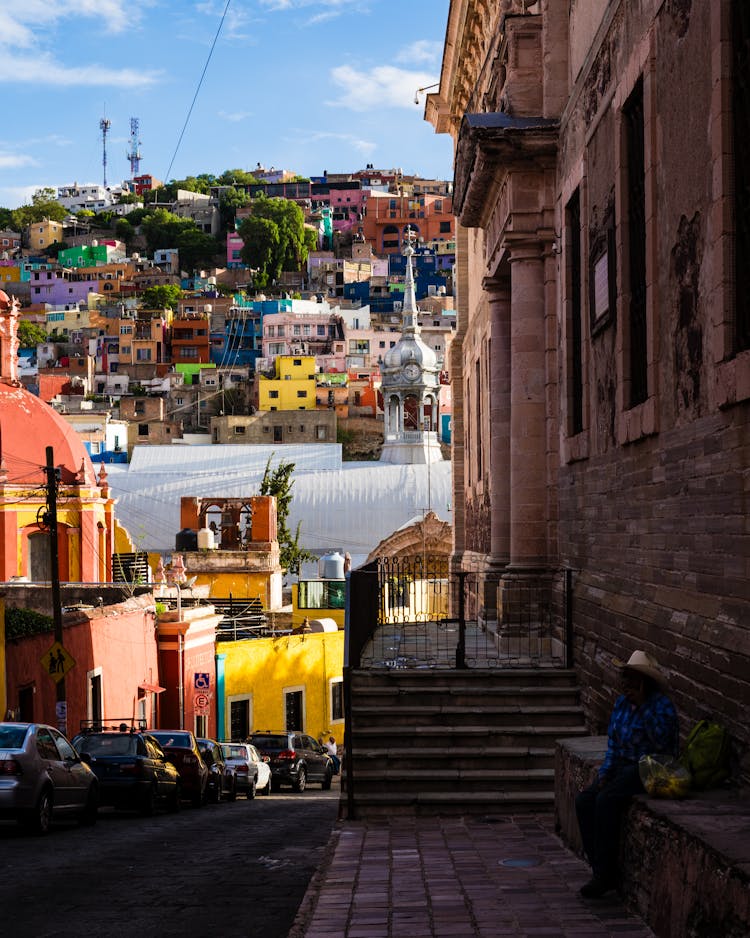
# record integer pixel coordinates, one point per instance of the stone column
(498, 292)
(528, 471)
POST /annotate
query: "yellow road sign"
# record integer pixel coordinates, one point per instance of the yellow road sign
(57, 662)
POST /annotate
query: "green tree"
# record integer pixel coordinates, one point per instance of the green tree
(260, 247)
(229, 201)
(6, 219)
(163, 229)
(43, 205)
(166, 296)
(279, 483)
(124, 230)
(236, 177)
(30, 334)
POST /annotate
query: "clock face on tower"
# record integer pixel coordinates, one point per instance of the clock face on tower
(412, 371)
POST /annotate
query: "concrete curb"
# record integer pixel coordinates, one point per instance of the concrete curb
(309, 902)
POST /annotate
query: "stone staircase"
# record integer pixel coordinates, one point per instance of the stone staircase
(458, 742)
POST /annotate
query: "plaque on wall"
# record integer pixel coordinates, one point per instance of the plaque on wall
(603, 280)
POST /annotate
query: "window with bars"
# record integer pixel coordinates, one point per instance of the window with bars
(636, 272)
(740, 33)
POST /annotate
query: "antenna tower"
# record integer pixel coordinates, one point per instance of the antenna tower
(104, 126)
(134, 156)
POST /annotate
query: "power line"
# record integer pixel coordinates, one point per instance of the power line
(197, 90)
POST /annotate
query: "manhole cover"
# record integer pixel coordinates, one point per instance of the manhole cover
(520, 862)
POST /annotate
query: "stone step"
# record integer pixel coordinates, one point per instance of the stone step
(380, 804)
(491, 716)
(505, 735)
(463, 758)
(383, 696)
(454, 781)
(488, 679)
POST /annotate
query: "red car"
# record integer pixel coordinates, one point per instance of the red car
(182, 750)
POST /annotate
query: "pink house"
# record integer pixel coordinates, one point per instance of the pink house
(115, 671)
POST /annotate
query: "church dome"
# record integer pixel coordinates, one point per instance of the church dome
(28, 426)
(410, 348)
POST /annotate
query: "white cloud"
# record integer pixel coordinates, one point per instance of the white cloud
(14, 160)
(425, 51)
(356, 143)
(44, 70)
(22, 21)
(383, 86)
(234, 117)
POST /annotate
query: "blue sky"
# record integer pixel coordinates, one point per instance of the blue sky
(306, 85)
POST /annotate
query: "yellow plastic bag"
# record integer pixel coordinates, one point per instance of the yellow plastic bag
(664, 776)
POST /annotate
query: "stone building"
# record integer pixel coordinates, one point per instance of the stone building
(601, 370)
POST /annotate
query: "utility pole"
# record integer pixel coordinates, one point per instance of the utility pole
(53, 477)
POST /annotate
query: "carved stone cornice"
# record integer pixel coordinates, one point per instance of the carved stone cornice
(491, 142)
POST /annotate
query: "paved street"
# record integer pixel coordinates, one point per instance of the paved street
(230, 869)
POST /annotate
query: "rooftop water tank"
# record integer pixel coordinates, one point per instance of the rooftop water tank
(331, 566)
(186, 539)
(206, 539)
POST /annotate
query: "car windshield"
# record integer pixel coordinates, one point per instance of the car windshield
(271, 742)
(108, 744)
(234, 752)
(173, 740)
(12, 737)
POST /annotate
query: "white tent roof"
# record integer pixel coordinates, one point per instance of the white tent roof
(345, 506)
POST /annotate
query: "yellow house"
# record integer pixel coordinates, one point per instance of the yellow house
(318, 599)
(293, 388)
(10, 274)
(43, 233)
(287, 682)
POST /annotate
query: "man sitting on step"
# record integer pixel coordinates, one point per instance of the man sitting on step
(643, 722)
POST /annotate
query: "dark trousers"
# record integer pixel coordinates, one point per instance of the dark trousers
(599, 812)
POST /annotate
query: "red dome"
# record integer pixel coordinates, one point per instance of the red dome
(28, 427)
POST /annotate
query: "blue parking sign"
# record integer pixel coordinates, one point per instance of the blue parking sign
(202, 681)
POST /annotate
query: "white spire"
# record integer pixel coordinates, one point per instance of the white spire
(410, 323)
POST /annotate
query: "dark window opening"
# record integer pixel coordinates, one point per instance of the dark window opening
(740, 33)
(293, 709)
(636, 196)
(575, 357)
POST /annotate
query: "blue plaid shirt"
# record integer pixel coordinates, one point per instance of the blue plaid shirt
(638, 731)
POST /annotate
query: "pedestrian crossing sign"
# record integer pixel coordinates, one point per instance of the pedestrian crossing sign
(57, 662)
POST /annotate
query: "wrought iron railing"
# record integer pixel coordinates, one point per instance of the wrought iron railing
(415, 614)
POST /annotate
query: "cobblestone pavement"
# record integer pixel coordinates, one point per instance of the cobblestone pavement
(456, 878)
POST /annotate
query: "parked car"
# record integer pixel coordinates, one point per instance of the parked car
(251, 771)
(182, 750)
(295, 759)
(221, 778)
(132, 769)
(42, 778)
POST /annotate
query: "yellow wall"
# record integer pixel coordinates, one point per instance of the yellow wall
(290, 379)
(265, 667)
(299, 615)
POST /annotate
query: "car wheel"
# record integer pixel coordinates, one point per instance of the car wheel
(327, 780)
(252, 789)
(148, 806)
(301, 782)
(198, 800)
(90, 809)
(40, 818)
(214, 795)
(232, 793)
(175, 799)
(275, 786)
(267, 790)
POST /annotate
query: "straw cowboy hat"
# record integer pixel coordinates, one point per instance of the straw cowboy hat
(643, 663)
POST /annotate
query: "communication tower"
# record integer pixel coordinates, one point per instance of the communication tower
(104, 126)
(134, 155)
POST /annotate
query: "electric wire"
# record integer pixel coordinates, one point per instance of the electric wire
(197, 90)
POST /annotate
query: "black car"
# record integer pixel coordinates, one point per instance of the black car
(295, 759)
(132, 769)
(221, 778)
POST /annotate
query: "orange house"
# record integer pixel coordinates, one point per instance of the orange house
(387, 216)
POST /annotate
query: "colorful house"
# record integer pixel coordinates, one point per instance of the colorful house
(85, 517)
(290, 682)
(293, 388)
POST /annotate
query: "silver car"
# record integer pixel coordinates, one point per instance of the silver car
(251, 773)
(42, 776)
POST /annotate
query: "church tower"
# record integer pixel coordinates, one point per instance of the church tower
(411, 387)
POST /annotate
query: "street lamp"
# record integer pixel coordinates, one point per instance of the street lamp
(425, 88)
